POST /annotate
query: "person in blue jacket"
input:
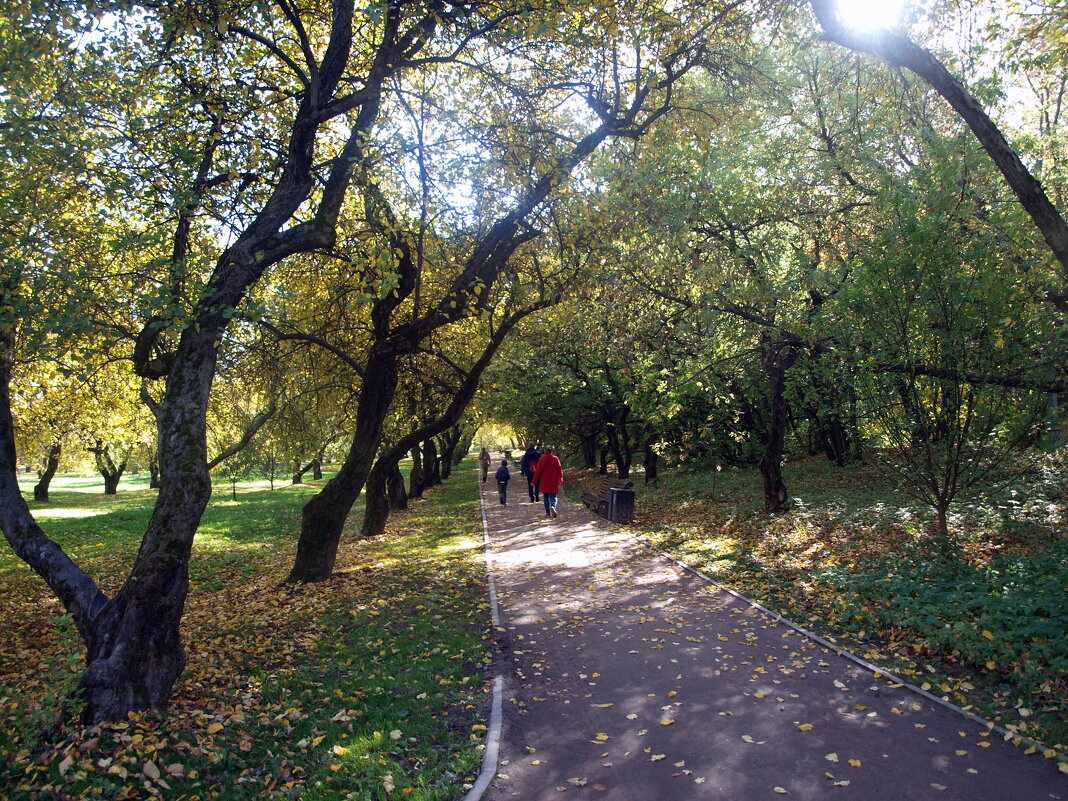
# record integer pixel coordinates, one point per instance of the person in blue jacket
(503, 475)
(526, 467)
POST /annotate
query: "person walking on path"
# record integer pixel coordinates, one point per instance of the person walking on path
(526, 467)
(484, 463)
(503, 476)
(628, 678)
(548, 476)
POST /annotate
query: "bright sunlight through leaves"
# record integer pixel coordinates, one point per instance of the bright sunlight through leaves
(864, 15)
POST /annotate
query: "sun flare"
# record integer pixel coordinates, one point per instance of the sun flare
(865, 15)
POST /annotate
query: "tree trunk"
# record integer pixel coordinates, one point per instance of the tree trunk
(376, 500)
(651, 462)
(317, 467)
(153, 470)
(445, 460)
(450, 441)
(942, 519)
(298, 474)
(111, 472)
(622, 461)
(40, 490)
(589, 452)
(134, 650)
(415, 479)
(431, 465)
(778, 358)
(395, 491)
(111, 483)
(323, 516)
(604, 462)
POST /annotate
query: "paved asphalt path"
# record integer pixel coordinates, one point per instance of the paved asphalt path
(630, 679)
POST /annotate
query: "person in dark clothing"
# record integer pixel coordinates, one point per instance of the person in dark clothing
(503, 475)
(526, 466)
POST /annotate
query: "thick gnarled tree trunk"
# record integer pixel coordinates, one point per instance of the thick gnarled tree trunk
(40, 489)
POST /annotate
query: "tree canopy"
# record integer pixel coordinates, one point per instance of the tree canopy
(260, 234)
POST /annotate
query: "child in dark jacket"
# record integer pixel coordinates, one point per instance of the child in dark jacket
(503, 475)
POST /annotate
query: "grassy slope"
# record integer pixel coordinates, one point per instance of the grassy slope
(365, 686)
(979, 620)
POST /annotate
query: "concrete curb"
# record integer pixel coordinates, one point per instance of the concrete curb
(493, 737)
(1010, 736)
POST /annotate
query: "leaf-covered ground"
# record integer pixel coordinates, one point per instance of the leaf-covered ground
(979, 620)
(366, 686)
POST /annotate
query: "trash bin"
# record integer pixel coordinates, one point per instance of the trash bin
(621, 505)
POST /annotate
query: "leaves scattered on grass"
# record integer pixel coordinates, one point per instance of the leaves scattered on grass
(364, 686)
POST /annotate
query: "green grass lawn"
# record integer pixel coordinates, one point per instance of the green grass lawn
(365, 686)
(979, 619)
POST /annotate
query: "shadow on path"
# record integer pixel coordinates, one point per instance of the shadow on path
(631, 679)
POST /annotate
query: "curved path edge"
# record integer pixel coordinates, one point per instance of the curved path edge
(880, 673)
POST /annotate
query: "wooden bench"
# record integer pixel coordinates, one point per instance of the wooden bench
(600, 501)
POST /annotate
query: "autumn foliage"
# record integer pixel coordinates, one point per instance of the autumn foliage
(361, 686)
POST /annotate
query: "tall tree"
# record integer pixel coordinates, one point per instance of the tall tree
(327, 71)
(622, 65)
(900, 51)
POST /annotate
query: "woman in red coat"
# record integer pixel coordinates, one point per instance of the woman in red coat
(548, 476)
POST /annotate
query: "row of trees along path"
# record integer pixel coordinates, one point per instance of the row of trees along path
(628, 677)
(336, 76)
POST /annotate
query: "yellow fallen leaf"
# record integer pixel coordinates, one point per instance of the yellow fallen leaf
(988, 635)
(959, 752)
(317, 740)
(855, 763)
(832, 757)
(781, 790)
(601, 737)
(805, 727)
(601, 706)
(656, 757)
(666, 722)
(215, 728)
